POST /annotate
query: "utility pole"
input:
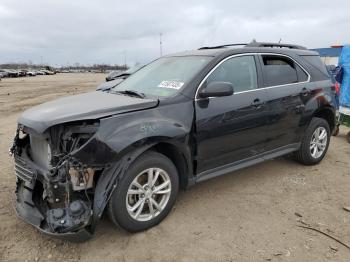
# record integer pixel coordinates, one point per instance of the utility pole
(160, 44)
(41, 59)
(125, 59)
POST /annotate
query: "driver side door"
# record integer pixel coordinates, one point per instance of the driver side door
(231, 129)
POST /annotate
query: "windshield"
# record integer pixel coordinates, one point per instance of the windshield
(164, 77)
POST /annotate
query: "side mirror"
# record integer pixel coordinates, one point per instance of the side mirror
(216, 89)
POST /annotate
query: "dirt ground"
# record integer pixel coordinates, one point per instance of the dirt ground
(250, 215)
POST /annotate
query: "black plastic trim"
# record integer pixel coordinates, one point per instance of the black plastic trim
(208, 174)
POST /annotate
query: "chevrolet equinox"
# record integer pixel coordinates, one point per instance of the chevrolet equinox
(182, 119)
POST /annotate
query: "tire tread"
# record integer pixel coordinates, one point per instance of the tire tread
(303, 155)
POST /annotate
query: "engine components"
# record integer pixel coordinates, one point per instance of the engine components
(66, 219)
(81, 178)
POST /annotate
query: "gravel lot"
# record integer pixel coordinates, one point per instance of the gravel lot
(250, 215)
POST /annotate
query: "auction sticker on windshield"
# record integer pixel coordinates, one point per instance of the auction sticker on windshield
(171, 84)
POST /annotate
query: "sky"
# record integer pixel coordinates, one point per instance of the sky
(65, 32)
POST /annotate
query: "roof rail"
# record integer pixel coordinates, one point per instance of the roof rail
(220, 46)
(278, 45)
(257, 44)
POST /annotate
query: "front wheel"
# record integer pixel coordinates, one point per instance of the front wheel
(146, 193)
(315, 143)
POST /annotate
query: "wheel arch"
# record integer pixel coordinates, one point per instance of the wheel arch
(178, 157)
(177, 151)
(327, 113)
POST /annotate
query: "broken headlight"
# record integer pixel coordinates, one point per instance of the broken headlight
(67, 138)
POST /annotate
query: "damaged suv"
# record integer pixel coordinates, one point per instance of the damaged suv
(182, 119)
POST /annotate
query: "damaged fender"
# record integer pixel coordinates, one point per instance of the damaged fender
(68, 172)
(128, 140)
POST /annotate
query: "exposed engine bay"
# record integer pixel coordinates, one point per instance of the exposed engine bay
(51, 181)
(71, 154)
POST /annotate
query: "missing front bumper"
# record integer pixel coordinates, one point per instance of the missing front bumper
(45, 195)
(61, 220)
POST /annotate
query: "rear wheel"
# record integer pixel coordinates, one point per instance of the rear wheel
(146, 194)
(315, 142)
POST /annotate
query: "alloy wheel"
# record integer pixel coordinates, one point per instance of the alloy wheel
(318, 142)
(148, 194)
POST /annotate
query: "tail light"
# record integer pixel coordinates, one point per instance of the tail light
(337, 88)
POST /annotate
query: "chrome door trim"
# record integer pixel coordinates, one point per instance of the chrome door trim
(252, 54)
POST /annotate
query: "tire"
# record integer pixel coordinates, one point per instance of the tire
(121, 203)
(305, 154)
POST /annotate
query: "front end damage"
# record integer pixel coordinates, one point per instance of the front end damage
(64, 178)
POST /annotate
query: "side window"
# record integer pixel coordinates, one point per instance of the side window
(279, 70)
(240, 71)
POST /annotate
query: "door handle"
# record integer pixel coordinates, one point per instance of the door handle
(257, 103)
(305, 91)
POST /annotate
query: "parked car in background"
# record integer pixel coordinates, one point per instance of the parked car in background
(112, 75)
(47, 72)
(31, 73)
(40, 72)
(4, 73)
(25, 72)
(117, 79)
(22, 73)
(12, 73)
(180, 120)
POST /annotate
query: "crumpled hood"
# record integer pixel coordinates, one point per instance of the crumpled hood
(92, 105)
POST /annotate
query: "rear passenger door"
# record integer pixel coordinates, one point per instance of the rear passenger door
(288, 87)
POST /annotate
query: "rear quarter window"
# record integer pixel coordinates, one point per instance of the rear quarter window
(315, 61)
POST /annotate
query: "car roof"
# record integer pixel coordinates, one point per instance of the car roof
(226, 50)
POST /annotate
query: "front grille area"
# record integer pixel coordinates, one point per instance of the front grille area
(23, 171)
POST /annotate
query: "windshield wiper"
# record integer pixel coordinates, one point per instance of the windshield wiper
(131, 93)
(123, 75)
